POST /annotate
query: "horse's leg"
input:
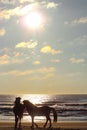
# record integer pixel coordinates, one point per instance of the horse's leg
(50, 123)
(32, 122)
(36, 125)
(16, 121)
(46, 122)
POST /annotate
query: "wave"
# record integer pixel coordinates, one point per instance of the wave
(68, 107)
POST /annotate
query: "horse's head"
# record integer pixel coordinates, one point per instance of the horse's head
(26, 102)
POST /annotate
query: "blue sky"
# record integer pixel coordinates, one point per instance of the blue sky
(43, 46)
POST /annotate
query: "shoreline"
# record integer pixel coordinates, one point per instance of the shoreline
(71, 125)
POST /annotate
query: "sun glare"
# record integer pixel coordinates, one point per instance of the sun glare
(33, 20)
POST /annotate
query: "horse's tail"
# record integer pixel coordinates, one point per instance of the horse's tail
(54, 114)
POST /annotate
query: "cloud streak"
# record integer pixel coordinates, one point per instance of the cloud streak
(55, 60)
(23, 1)
(41, 73)
(8, 13)
(29, 44)
(74, 60)
(82, 20)
(51, 5)
(7, 1)
(6, 60)
(2, 32)
(49, 50)
(36, 62)
(24, 9)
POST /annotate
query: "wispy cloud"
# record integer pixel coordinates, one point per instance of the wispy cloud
(52, 5)
(82, 20)
(41, 73)
(42, 3)
(17, 54)
(46, 70)
(18, 73)
(2, 32)
(81, 40)
(23, 1)
(36, 62)
(75, 74)
(7, 1)
(8, 13)
(79, 21)
(74, 60)
(6, 59)
(50, 50)
(24, 9)
(29, 44)
(4, 50)
(55, 60)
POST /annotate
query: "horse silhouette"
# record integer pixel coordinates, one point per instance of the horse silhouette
(33, 111)
(18, 110)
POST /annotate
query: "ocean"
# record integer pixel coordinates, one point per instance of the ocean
(68, 107)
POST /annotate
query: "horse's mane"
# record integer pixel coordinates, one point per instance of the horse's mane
(28, 103)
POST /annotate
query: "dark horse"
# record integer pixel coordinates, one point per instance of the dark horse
(40, 111)
(18, 110)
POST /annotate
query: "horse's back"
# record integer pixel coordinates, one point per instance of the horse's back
(41, 110)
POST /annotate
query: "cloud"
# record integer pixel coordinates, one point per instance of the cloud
(7, 1)
(36, 62)
(29, 44)
(6, 59)
(74, 60)
(8, 13)
(43, 73)
(40, 74)
(24, 9)
(42, 3)
(55, 60)
(2, 32)
(17, 73)
(4, 50)
(23, 1)
(82, 20)
(17, 11)
(76, 74)
(46, 70)
(50, 50)
(51, 5)
(20, 10)
(80, 40)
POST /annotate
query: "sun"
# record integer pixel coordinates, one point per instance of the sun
(33, 20)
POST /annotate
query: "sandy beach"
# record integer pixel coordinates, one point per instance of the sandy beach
(56, 126)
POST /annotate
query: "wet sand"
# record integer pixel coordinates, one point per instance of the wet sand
(55, 126)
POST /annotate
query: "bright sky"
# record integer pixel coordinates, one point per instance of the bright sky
(43, 46)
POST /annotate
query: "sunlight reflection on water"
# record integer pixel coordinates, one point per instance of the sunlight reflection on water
(35, 98)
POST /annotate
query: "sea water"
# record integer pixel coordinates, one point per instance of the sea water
(68, 107)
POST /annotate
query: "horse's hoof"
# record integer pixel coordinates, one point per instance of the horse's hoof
(15, 128)
(44, 126)
(36, 126)
(32, 127)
